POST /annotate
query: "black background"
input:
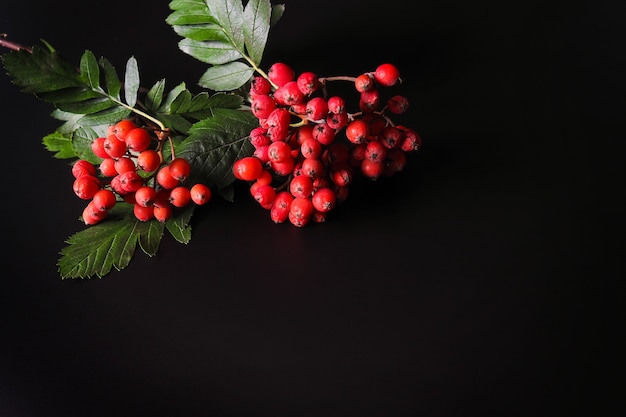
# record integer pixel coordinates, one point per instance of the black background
(482, 281)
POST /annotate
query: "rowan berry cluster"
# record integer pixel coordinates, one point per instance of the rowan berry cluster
(309, 147)
(133, 170)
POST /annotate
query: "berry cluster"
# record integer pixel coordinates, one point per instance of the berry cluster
(309, 147)
(133, 170)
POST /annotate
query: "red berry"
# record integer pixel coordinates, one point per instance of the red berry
(200, 194)
(308, 83)
(83, 167)
(180, 169)
(114, 147)
(262, 106)
(143, 213)
(124, 164)
(398, 104)
(357, 131)
(180, 196)
(148, 160)
(387, 74)
(97, 146)
(104, 199)
(145, 196)
(121, 128)
(91, 214)
(138, 139)
(165, 178)
(324, 200)
(280, 74)
(364, 82)
(248, 168)
(163, 213)
(86, 186)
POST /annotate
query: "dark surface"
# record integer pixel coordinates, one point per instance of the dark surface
(483, 281)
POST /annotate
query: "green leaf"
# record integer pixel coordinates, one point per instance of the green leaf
(179, 226)
(81, 144)
(60, 145)
(214, 144)
(113, 83)
(226, 77)
(277, 12)
(210, 52)
(154, 98)
(204, 32)
(131, 82)
(257, 14)
(95, 251)
(89, 70)
(40, 71)
(108, 116)
(229, 15)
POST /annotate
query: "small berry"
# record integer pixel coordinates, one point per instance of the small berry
(248, 168)
(387, 74)
(104, 199)
(86, 186)
(138, 139)
(165, 179)
(83, 167)
(180, 169)
(280, 74)
(200, 194)
(180, 196)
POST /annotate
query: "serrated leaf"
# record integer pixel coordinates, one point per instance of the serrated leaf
(203, 32)
(41, 71)
(210, 52)
(90, 106)
(108, 116)
(82, 139)
(154, 98)
(60, 145)
(229, 15)
(190, 16)
(171, 96)
(95, 251)
(226, 77)
(214, 144)
(131, 82)
(150, 236)
(179, 226)
(112, 80)
(89, 70)
(257, 14)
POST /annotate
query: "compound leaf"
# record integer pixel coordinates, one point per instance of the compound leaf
(215, 143)
(95, 251)
(226, 77)
(257, 15)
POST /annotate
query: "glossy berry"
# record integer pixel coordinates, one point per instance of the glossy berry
(83, 167)
(107, 167)
(122, 128)
(91, 214)
(145, 196)
(114, 147)
(387, 74)
(200, 194)
(138, 139)
(247, 168)
(143, 213)
(357, 131)
(180, 196)
(148, 160)
(104, 199)
(364, 82)
(180, 169)
(324, 200)
(165, 179)
(163, 213)
(86, 186)
(97, 147)
(280, 74)
(124, 164)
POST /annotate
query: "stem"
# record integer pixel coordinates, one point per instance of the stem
(12, 45)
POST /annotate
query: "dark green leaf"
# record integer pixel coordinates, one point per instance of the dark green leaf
(89, 70)
(214, 144)
(277, 12)
(131, 82)
(90, 106)
(40, 71)
(154, 98)
(95, 251)
(113, 83)
(108, 116)
(226, 77)
(178, 226)
(257, 15)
